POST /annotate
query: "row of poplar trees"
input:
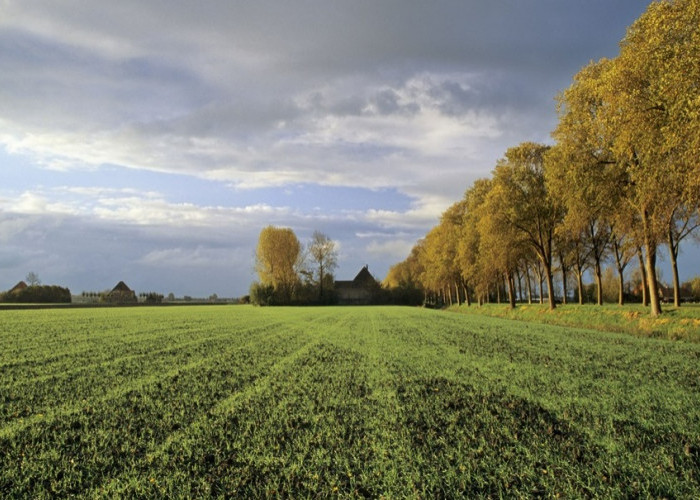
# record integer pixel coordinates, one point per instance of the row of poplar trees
(622, 178)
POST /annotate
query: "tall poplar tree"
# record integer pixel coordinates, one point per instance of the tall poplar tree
(324, 254)
(278, 259)
(525, 205)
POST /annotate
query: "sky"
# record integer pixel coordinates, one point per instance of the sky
(150, 141)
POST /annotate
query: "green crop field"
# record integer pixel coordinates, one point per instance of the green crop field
(325, 402)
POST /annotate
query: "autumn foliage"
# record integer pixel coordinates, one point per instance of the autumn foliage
(621, 180)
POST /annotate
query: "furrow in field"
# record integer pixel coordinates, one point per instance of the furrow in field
(100, 341)
(137, 417)
(125, 385)
(35, 333)
(73, 451)
(281, 435)
(149, 346)
(81, 360)
(42, 395)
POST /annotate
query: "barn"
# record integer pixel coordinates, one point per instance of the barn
(121, 294)
(360, 291)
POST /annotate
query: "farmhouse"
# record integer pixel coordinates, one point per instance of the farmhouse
(360, 291)
(121, 294)
(18, 287)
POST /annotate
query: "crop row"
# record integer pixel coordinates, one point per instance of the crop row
(75, 448)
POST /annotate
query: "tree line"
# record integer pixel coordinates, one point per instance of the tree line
(621, 179)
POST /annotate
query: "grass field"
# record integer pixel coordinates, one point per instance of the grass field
(326, 402)
(676, 323)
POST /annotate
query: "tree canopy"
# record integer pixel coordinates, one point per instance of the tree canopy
(324, 254)
(278, 260)
(622, 177)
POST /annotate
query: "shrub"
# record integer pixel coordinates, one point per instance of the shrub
(262, 295)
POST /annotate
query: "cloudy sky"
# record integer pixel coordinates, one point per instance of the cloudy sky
(151, 141)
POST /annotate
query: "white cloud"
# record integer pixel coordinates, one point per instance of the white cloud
(395, 249)
(131, 206)
(174, 258)
(35, 204)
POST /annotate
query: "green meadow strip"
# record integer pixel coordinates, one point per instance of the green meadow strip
(682, 323)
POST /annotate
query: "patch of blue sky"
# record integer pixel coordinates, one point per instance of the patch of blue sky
(18, 173)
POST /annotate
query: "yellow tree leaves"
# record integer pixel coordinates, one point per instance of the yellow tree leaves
(522, 208)
(626, 164)
(277, 259)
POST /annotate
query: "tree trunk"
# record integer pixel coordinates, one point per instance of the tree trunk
(618, 252)
(598, 283)
(550, 285)
(520, 286)
(320, 283)
(466, 295)
(673, 253)
(511, 290)
(529, 285)
(654, 299)
(563, 277)
(621, 288)
(579, 283)
(643, 271)
(563, 284)
(650, 244)
(540, 280)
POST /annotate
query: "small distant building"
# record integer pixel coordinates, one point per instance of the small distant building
(18, 287)
(121, 294)
(360, 291)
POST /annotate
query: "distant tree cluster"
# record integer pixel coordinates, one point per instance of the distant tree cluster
(622, 178)
(38, 294)
(290, 274)
(151, 297)
(31, 291)
(693, 289)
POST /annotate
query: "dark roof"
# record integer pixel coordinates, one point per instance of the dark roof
(18, 287)
(121, 287)
(364, 277)
(343, 283)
